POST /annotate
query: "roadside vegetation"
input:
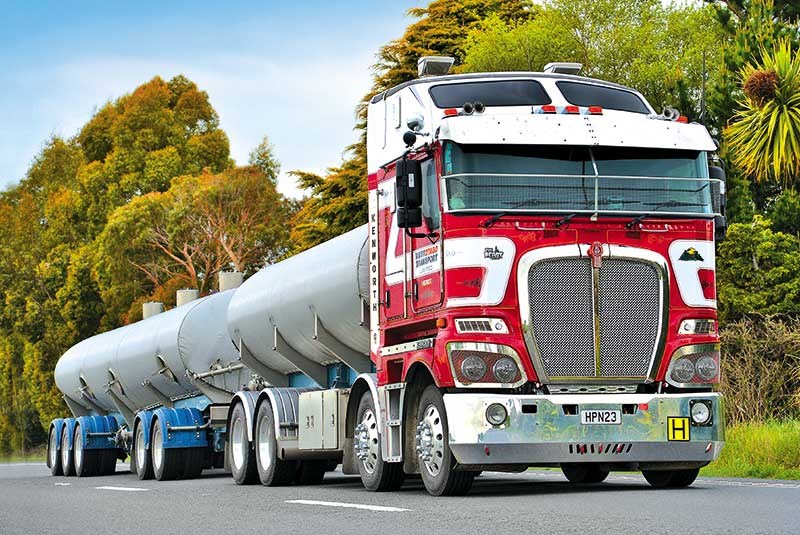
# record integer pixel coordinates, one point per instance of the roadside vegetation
(107, 219)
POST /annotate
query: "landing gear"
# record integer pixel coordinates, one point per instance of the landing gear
(437, 464)
(376, 474)
(671, 478)
(242, 456)
(584, 473)
(271, 471)
(53, 453)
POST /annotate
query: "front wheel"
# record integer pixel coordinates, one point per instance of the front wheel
(437, 464)
(673, 479)
(376, 474)
(583, 473)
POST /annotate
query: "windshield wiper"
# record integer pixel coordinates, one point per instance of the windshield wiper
(564, 220)
(672, 203)
(636, 220)
(492, 220)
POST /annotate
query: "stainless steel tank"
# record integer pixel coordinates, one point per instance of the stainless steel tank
(157, 351)
(280, 312)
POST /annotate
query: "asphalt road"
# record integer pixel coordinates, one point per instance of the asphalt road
(31, 501)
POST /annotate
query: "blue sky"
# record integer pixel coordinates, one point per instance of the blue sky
(291, 70)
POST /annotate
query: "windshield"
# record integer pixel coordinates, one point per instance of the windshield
(578, 179)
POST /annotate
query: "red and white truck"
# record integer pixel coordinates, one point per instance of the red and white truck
(535, 287)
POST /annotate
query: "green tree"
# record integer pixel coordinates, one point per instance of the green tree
(263, 157)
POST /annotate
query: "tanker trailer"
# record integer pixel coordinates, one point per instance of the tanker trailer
(150, 389)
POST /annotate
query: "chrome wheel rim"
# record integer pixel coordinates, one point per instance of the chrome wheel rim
(430, 440)
(77, 448)
(140, 451)
(65, 448)
(53, 452)
(265, 444)
(237, 443)
(158, 448)
(365, 441)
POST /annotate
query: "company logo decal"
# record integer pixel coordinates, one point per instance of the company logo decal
(493, 253)
(691, 254)
(595, 252)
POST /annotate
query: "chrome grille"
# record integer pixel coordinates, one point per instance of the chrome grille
(562, 297)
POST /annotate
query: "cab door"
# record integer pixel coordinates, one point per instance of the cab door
(393, 248)
(426, 252)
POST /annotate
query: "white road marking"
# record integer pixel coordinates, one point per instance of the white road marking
(62, 484)
(124, 489)
(349, 505)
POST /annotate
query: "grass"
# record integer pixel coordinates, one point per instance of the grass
(35, 455)
(759, 450)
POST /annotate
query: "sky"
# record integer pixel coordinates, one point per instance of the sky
(291, 70)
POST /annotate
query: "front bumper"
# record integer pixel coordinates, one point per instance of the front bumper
(548, 430)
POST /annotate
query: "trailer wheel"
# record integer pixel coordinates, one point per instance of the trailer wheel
(86, 461)
(272, 471)
(376, 474)
(66, 454)
(167, 462)
(674, 479)
(141, 460)
(193, 461)
(107, 463)
(242, 456)
(53, 453)
(583, 473)
(436, 461)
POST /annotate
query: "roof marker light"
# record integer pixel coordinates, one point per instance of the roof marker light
(594, 110)
(571, 109)
(449, 112)
(683, 119)
(548, 108)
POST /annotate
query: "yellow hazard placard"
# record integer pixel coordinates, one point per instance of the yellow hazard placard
(678, 428)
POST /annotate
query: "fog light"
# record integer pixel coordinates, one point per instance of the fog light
(496, 414)
(682, 370)
(701, 412)
(473, 368)
(505, 370)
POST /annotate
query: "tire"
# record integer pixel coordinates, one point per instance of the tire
(583, 473)
(107, 462)
(272, 471)
(311, 472)
(671, 479)
(436, 461)
(87, 462)
(53, 453)
(242, 456)
(141, 460)
(167, 462)
(67, 464)
(376, 474)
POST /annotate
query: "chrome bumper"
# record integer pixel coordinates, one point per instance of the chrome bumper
(549, 434)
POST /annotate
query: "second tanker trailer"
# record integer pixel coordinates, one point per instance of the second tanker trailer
(534, 287)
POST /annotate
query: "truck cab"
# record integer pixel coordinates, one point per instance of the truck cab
(542, 277)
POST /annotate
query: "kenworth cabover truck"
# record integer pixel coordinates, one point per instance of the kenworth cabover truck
(535, 286)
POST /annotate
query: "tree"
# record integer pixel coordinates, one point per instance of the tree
(263, 157)
(765, 135)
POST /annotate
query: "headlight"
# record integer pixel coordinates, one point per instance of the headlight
(706, 368)
(505, 370)
(694, 366)
(496, 414)
(682, 370)
(473, 368)
(701, 412)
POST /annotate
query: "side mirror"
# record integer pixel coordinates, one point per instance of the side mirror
(409, 217)
(720, 224)
(409, 184)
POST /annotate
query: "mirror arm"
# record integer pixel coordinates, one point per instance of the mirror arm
(434, 236)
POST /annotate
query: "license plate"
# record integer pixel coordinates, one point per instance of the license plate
(601, 417)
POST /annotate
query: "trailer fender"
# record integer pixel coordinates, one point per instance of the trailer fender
(364, 382)
(192, 433)
(97, 432)
(248, 400)
(144, 419)
(70, 423)
(285, 403)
